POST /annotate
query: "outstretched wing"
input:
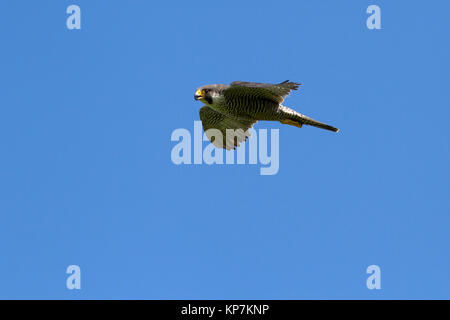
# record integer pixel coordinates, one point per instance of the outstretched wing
(266, 91)
(216, 124)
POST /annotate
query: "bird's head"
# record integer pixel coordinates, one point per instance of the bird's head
(209, 93)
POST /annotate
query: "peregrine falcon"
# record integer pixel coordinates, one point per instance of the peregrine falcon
(240, 105)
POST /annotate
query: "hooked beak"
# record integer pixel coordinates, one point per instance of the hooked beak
(199, 94)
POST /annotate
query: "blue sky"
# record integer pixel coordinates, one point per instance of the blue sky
(87, 179)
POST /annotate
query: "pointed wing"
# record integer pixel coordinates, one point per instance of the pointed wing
(274, 92)
(214, 120)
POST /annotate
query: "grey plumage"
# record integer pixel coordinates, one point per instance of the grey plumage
(241, 104)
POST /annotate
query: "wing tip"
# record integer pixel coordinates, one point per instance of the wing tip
(292, 85)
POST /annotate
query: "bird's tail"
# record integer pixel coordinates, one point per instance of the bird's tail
(296, 119)
(311, 122)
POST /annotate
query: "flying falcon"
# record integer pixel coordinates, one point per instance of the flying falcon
(241, 104)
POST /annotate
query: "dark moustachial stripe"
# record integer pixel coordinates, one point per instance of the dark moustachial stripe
(208, 99)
